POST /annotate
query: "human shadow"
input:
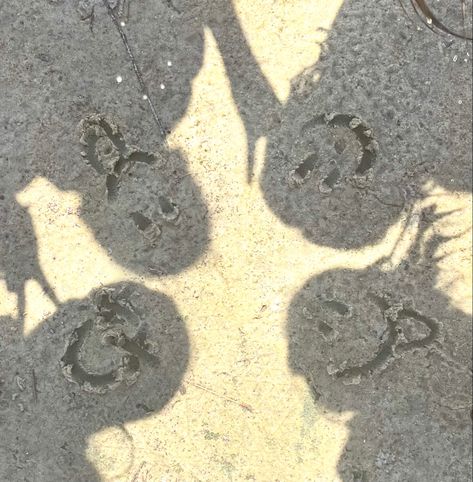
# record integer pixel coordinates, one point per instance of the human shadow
(125, 349)
(361, 134)
(145, 208)
(154, 219)
(389, 347)
(339, 150)
(81, 371)
(367, 126)
(138, 196)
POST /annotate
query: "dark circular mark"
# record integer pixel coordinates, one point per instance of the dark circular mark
(321, 176)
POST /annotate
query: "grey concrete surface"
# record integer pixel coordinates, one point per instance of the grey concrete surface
(380, 121)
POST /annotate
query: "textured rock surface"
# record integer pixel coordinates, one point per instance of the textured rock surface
(280, 289)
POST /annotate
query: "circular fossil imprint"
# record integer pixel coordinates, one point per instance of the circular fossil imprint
(320, 176)
(153, 217)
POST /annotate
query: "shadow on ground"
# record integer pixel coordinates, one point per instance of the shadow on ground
(126, 350)
(388, 346)
(138, 199)
(360, 134)
(367, 126)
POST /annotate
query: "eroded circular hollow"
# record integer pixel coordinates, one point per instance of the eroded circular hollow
(320, 175)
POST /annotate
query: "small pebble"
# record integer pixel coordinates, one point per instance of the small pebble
(119, 79)
(169, 63)
(455, 58)
(162, 86)
(145, 97)
(460, 102)
(122, 24)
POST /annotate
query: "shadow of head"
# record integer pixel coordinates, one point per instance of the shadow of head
(367, 126)
(388, 346)
(144, 207)
(100, 362)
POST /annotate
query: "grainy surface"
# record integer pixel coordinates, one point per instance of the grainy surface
(280, 290)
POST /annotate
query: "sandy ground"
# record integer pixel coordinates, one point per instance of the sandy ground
(278, 290)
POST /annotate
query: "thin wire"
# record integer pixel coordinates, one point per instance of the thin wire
(464, 17)
(136, 69)
(429, 19)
